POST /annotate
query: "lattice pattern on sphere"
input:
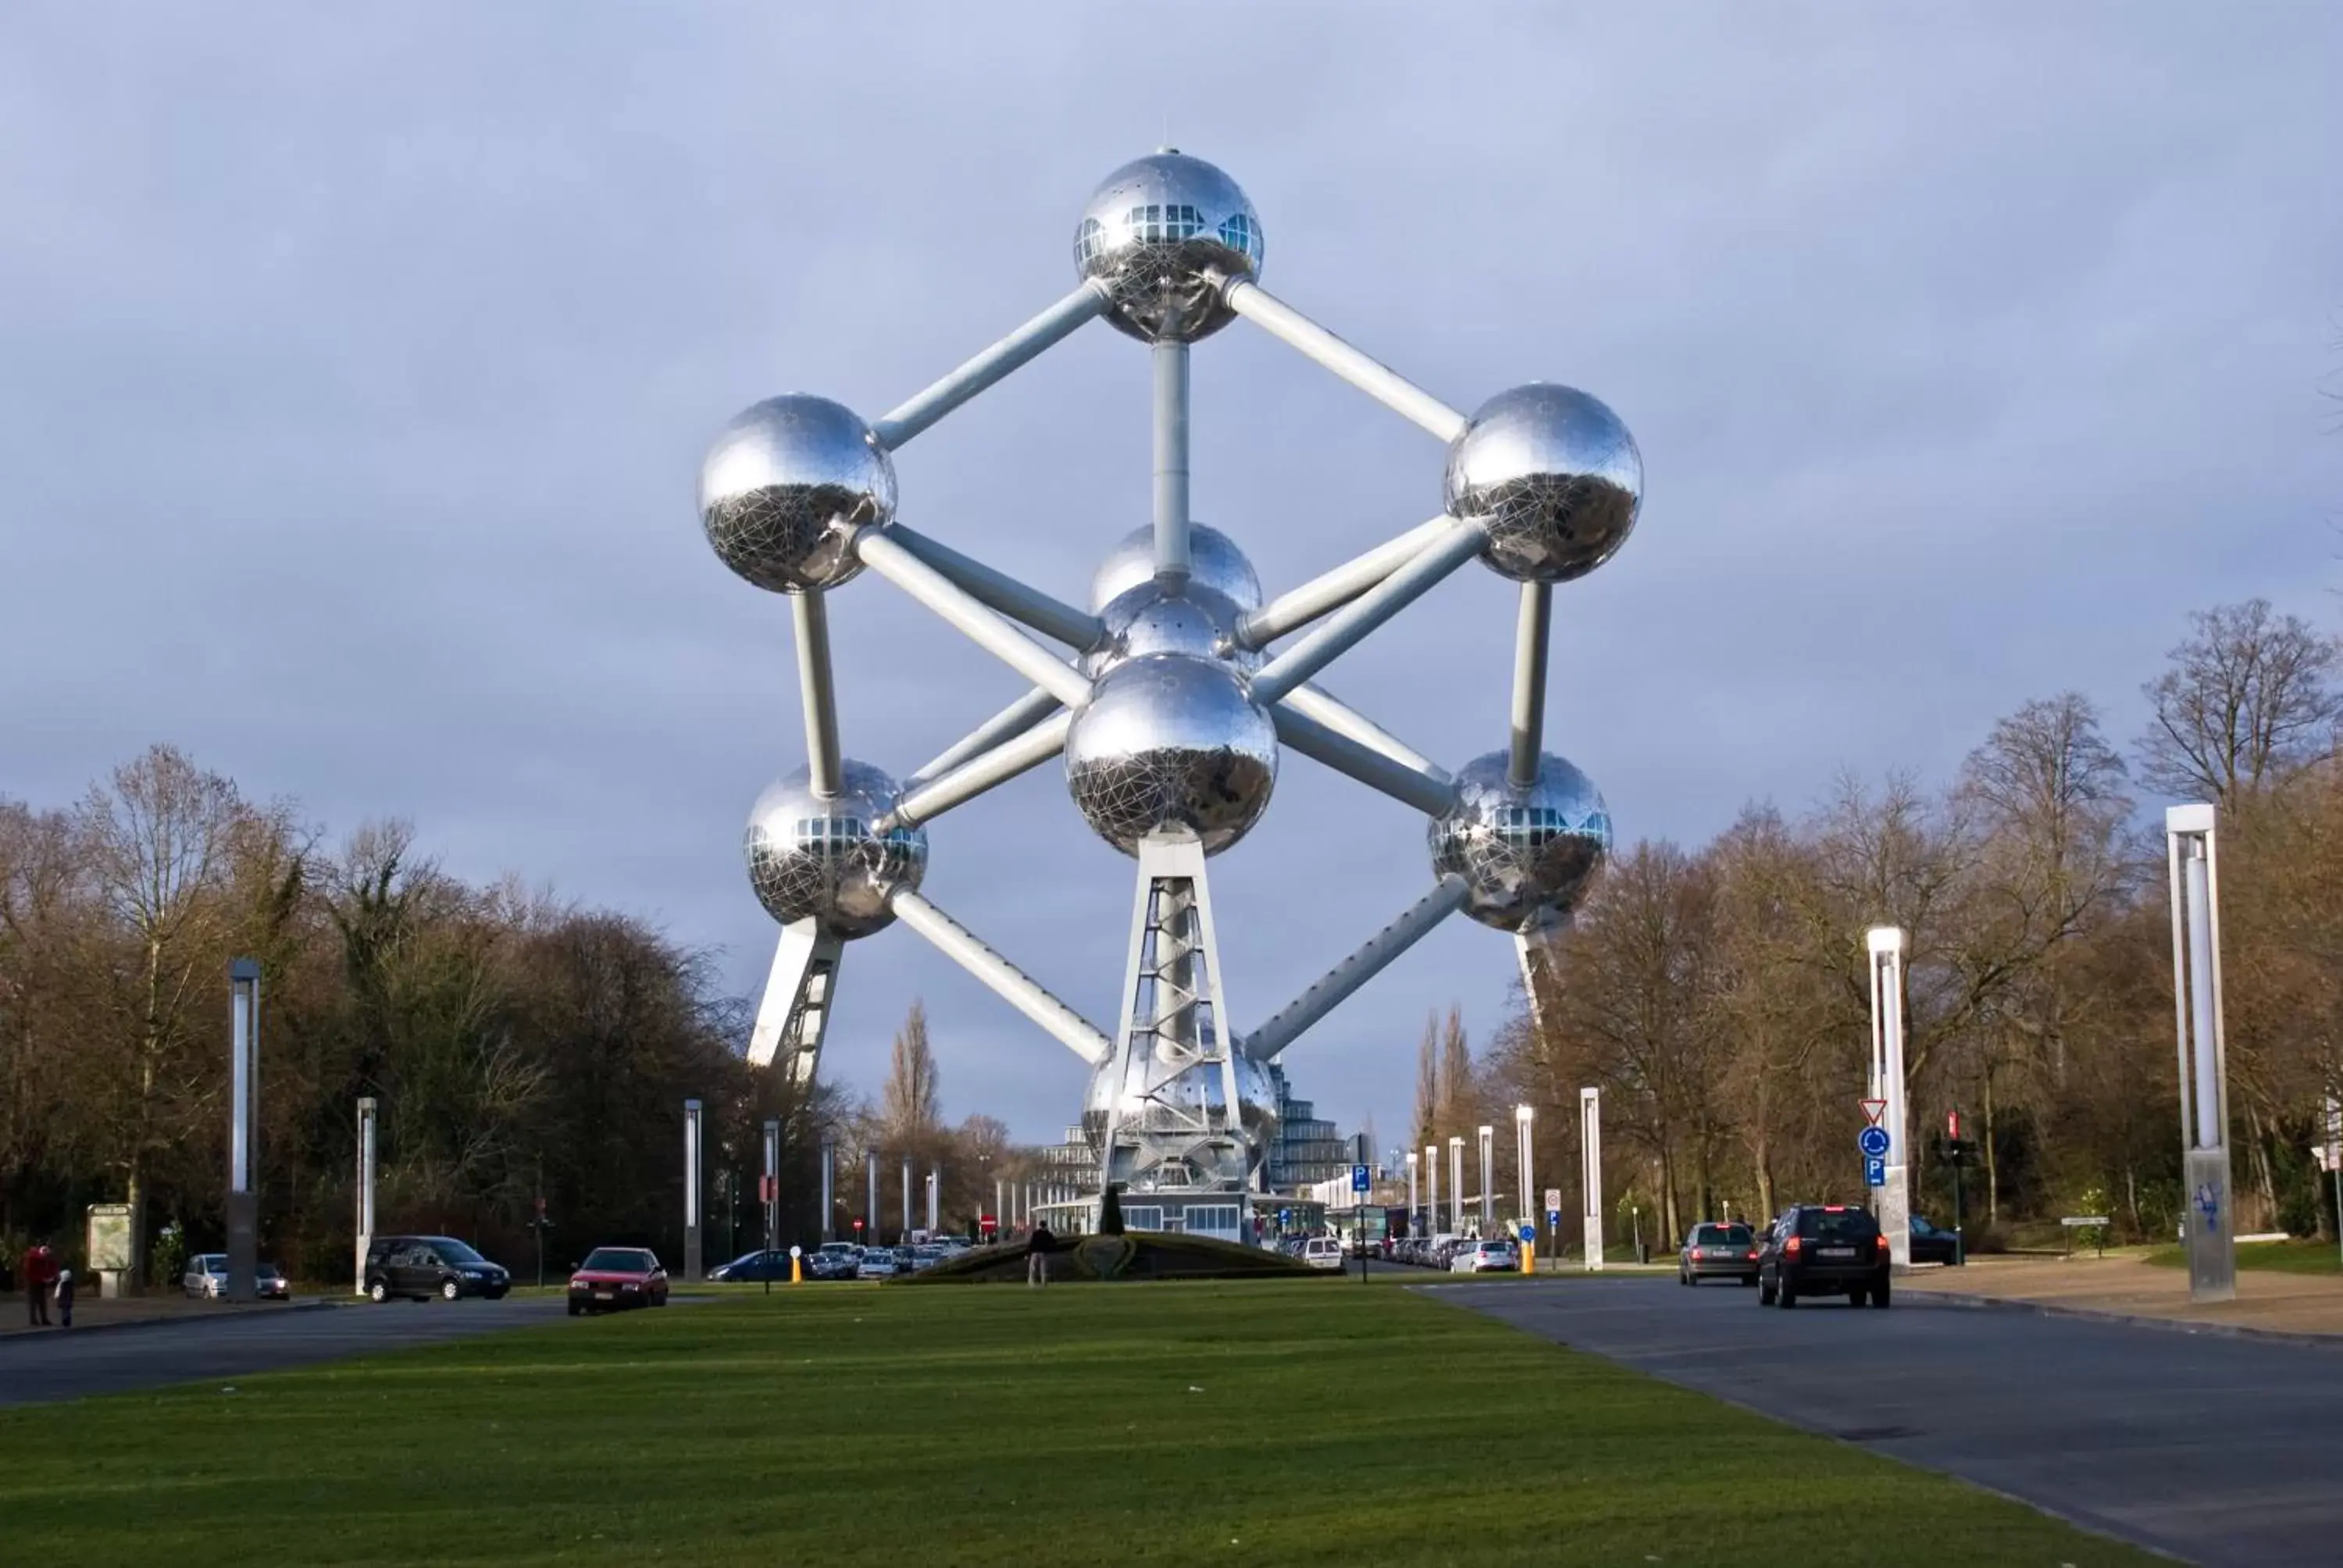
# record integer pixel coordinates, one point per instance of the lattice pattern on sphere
(789, 538)
(1528, 854)
(1216, 794)
(811, 858)
(1553, 528)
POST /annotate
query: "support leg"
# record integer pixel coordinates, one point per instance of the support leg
(795, 1012)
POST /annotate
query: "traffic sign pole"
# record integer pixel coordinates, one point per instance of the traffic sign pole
(1359, 1223)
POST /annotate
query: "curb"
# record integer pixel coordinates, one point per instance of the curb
(2331, 1342)
(173, 1321)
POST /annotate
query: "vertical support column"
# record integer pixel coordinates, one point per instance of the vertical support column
(999, 1206)
(1531, 634)
(935, 1198)
(829, 1191)
(2194, 863)
(1431, 1189)
(1171, 464)
(1893, 1203)
(1488, 1180)
(1590, 1175)
(243, 1129)
(1456, 1183)
(870, 1197)
(904, 1235)
(771, 1184)
(1524, 1115)
(1414, 1212)
(693, 1127)
(365, 1192)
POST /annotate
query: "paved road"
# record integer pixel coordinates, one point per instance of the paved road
(37, 1368)
(2213, 1448)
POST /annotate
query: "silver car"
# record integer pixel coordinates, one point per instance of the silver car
(878, 1263)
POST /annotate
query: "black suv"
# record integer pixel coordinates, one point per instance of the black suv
(1822, 1250)
(426, 1266)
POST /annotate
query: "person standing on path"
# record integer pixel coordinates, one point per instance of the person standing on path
(65, 1298)
(40, 1270)
(1038, 1249)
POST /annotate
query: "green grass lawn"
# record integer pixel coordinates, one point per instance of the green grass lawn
(2282, 1257)
(1259, 1422)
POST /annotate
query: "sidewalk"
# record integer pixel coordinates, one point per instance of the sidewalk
(2267, 1301)
(94, 1312)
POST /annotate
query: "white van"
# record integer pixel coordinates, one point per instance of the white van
(1322, 1252)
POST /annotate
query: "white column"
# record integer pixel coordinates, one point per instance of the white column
(244, 1130)
(1415, 1214)
(691, 1167)
(1432, 1188)
(1589, 1144)
(1522, 1116)
(367, 1157)
(1456, 1183)
(1894, 1201)
(2192, 859)
(1488, 1180)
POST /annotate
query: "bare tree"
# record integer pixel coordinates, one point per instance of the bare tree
(2248, 698)
(1427, 1083)
(910, 1105)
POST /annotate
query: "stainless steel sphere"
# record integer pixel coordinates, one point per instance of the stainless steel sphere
(1149, 232)
(1170, 741)
(1145, 620)
(1213, 560)
(1529, 854)
(786, 486)
(811, 858)
(1150, 1094)
(1554, 474)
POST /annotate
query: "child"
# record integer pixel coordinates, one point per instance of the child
(65, 1298)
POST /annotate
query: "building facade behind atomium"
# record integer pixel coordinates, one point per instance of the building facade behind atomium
(1172, 696)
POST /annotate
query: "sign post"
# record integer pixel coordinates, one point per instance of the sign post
(1892, 1199)
(1359, 1206)
(1589, 1146)
(2204, 1055)
(1957, 1155)
(2330, 1159)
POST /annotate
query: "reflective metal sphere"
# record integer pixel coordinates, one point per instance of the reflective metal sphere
(1152, 1095)
(785, 488)
(1529, 854)
(1213, 560)
(1554, 474)
(1195, 620)
(821, 860)
(1170, 741)
(1148, 234)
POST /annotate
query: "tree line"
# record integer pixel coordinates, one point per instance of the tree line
(1719, 995)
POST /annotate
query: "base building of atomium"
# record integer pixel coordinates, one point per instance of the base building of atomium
(1172, 697)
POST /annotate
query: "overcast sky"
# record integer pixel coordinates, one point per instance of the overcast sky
(354, 372)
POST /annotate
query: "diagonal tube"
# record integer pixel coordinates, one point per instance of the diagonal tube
(1369, 375)
(1432, 794)
(1053, 324)
(1315, 703)
(1297, 607)
(1052, 617)
(810, 613)
(1336, 984)
(1011, 984)
(987, 770)
(1006, 725)
(1334, 637)
(891, 561)
(1531, 634)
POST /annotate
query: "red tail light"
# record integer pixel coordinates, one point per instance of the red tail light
(1883, 1243)
(1753, 1257)
(1792, 1246)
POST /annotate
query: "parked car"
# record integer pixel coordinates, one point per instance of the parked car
(206, 1277)
(877, 1263)
(833, 1261)
(1322, 1252)
(927, 1255)
(749, 1267)
(1822, 1250)
(614, 1278)
(1718, 1250)
(1931, 1245)
(1486, 1258)
(422, 1267)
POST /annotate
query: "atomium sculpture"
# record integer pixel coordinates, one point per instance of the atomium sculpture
(1179, 690)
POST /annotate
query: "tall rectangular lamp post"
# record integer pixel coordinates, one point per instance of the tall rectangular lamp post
(829, 1191)
(1590, 1174)
(1415, 1214)
(771, 1185)
(242, 1130)
(691, 1147)
(1431, 1189)
(1456, 1182)
(1522, 1116)
(1893, 1204)
(366, 1190)
(1488, 1180)
(2195, 866)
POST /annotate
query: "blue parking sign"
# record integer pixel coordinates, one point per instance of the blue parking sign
(1358, 1178)
(1874, 1170)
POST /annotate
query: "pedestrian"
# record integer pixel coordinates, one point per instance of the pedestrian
(39, 1271)
(1038, 1249)
(65, 1298)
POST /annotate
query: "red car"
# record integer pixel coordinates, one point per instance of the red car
(615, 1277)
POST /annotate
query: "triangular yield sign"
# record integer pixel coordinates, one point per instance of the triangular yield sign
(1873, 1110)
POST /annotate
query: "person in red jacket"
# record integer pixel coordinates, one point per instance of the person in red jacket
(40, 1272)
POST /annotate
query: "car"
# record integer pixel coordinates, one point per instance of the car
(1931, 1245)
(422, 1267)
(1822, 1250)
(1322, 1252)
(927, 1255)
(1718, 1250)
(1486, 1258)
(833, 1261)
(877, 1263)
(749, 1267)
(612, 1278)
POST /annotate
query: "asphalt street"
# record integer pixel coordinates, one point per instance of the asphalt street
(69, 1364)
(2213, 1448)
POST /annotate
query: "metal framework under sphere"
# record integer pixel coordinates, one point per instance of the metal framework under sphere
(1172, 698)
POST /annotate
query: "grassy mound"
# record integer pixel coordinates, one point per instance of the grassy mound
(1136, 1255)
